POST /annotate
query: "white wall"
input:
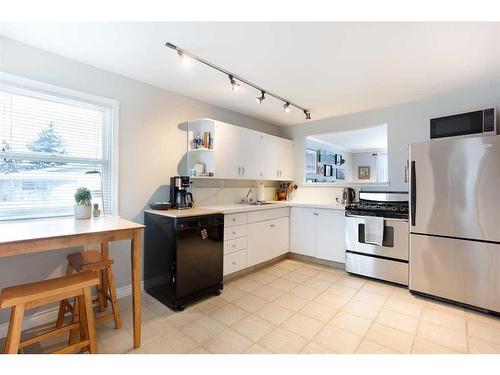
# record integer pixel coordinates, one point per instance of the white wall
(151, 145)
(360, 159)
(406, 123)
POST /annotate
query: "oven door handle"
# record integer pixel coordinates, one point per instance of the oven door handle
(386, 219)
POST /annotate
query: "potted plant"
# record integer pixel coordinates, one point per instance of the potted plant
(83, 208)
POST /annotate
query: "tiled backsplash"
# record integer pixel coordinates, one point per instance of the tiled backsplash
(212, 192)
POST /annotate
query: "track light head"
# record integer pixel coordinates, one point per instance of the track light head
(184, 58)
(261, 98)
(308, 114)
(234, 85)
(286, 107)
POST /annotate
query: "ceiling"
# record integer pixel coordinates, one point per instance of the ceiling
(329, 68)
(367, 139)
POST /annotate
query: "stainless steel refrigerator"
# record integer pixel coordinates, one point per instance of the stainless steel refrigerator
(455, 220)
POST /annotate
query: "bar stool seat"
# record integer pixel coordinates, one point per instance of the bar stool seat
(23, 297)
(88, 261)
(106, 290)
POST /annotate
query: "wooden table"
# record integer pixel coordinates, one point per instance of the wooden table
(34, 236)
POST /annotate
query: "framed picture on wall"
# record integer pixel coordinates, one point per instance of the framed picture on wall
(321, 169)
(328, 170)
(339, 174)
(364, 173)
(339, 159)
(311, 161)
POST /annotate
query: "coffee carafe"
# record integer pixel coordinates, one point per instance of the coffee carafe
(180, 196)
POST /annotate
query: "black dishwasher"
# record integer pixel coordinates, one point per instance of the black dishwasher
(183, 257)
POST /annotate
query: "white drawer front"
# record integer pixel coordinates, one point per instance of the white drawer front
(273, 213)
(238, 231)
(235, 261)
(235, 219)
(235, 245)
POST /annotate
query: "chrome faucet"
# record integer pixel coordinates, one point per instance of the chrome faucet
(246, 200)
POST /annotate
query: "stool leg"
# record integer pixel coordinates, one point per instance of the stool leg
(100, 291)
(9, 331)
(114, 301)
(64, 303)
(89, 314)
(83, 318)
(15, 326)
(75, 317)
(105, 255)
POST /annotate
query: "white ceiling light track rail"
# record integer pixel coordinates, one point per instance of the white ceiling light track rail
(185, 56)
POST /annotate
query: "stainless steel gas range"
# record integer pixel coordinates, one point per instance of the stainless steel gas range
(387, 260)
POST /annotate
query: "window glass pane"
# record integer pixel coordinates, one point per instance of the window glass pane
(27, 192)
(38, 125)
(50, 146)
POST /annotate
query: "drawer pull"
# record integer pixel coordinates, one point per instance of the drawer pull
(234, 232)
(272, 225)
(234, 263)
(234, 219)
(234, 245)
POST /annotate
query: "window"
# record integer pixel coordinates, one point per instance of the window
(51, 143)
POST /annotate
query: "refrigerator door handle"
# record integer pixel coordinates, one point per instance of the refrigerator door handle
(413, 196)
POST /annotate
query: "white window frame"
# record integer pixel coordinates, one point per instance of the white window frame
(111, 137)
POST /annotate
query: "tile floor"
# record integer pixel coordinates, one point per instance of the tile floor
(297, 307)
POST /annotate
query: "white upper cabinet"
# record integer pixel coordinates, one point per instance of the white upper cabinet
(277, 156)
(235, 152)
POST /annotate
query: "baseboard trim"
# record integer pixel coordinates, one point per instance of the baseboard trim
(323, 262)
(50, 315)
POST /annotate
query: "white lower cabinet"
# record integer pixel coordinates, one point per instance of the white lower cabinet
(235, 261)
(266, 236)
(267, 240)
(318, 233)
(330, 235)
(303, 231)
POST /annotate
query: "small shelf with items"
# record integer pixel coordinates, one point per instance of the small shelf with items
(201, 142)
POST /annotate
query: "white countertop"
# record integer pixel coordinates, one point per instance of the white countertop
(238, 207)
(195, 211)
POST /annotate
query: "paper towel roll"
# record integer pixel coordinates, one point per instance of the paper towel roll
(260, 192)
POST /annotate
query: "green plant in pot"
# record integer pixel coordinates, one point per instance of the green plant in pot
(83, 208)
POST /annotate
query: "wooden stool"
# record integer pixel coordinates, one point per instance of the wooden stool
(27, 296)
(106, 290)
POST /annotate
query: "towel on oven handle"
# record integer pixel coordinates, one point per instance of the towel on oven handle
(374, 230)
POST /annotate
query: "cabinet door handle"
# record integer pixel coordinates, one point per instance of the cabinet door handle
(272, 225)
(234, 263)
(234, 245)
(234, 232)
(239, 171)
(234, 219)
(243, 170)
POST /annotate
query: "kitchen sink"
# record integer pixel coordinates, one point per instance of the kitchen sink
(258, 203)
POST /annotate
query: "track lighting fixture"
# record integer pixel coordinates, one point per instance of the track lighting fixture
(261, 98)
(236, 81)
(184, 59)
(234, 85)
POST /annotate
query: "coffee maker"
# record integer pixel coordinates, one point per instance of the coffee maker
(180, 196)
